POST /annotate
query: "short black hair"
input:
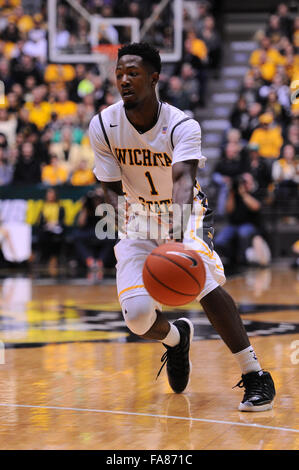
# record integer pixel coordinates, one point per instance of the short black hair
(149, 54)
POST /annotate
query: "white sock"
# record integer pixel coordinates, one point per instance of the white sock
(247, 360)
(173, 338)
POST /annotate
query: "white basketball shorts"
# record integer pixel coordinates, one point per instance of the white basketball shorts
(131, 255)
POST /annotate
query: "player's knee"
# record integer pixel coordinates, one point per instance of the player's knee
(139, 313)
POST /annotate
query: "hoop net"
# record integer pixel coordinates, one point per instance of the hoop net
(107, 66)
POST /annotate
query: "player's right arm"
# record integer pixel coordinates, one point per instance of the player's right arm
(112, 191)
(106, 169)
(186, 158)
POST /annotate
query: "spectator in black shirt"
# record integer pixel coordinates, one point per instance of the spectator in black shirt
(212, 39)
(27, 170)
(274, 29)
(239, 117)
(254, 112)
(25, 67)
(80, 70)
(243, 211)
(23, 123)
(11, 32)
(258, 167)
(285, 20)
(176, 95)
(6, 76)
(51, 227)
(231, 165)
(249, 89)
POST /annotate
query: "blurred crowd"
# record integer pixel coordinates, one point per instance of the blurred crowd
(45, 108)
(259, 165)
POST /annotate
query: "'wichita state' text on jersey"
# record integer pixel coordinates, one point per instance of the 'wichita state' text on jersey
(142, 157)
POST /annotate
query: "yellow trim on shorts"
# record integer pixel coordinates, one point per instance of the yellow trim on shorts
(197, 239)
(214, 259)
(130, 288)
(211, 257)
(219, 267)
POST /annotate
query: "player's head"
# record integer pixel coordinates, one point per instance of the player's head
(137, 72)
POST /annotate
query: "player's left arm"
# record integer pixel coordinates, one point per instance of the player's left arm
(187, 158)
(183, 176)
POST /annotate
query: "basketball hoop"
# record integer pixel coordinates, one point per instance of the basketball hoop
(108, 54)
(109, 50)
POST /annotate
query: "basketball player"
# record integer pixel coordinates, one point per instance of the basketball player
(150, 151)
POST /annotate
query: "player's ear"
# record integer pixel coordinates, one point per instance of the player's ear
(155, 78)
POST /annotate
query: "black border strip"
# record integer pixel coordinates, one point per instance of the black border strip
(104, 131)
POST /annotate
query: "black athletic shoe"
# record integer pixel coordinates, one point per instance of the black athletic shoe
(177, 357)
(259, 391)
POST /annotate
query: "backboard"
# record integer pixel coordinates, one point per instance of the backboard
(98, 38)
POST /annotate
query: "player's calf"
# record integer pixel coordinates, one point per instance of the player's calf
(145, 320)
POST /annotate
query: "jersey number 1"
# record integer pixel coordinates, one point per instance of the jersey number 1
(154, 192)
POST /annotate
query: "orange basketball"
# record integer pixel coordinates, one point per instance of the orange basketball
(173, 274)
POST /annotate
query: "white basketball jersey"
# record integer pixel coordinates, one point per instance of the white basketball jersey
(143, 161)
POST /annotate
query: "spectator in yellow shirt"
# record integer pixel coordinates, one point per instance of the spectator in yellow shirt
(64, 107)
(8, 6)
(196, 46)
(59, 74)
(82, 176)
(25, 24)
(266, 67)
(266, 53)
(268, 138)
(39, 110)
(196, 54)
(55, 173)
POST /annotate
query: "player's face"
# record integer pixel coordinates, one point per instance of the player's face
(134, 81)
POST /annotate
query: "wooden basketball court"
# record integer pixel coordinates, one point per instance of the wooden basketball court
(75, 378)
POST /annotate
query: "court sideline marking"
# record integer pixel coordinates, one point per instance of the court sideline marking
(131, 413)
